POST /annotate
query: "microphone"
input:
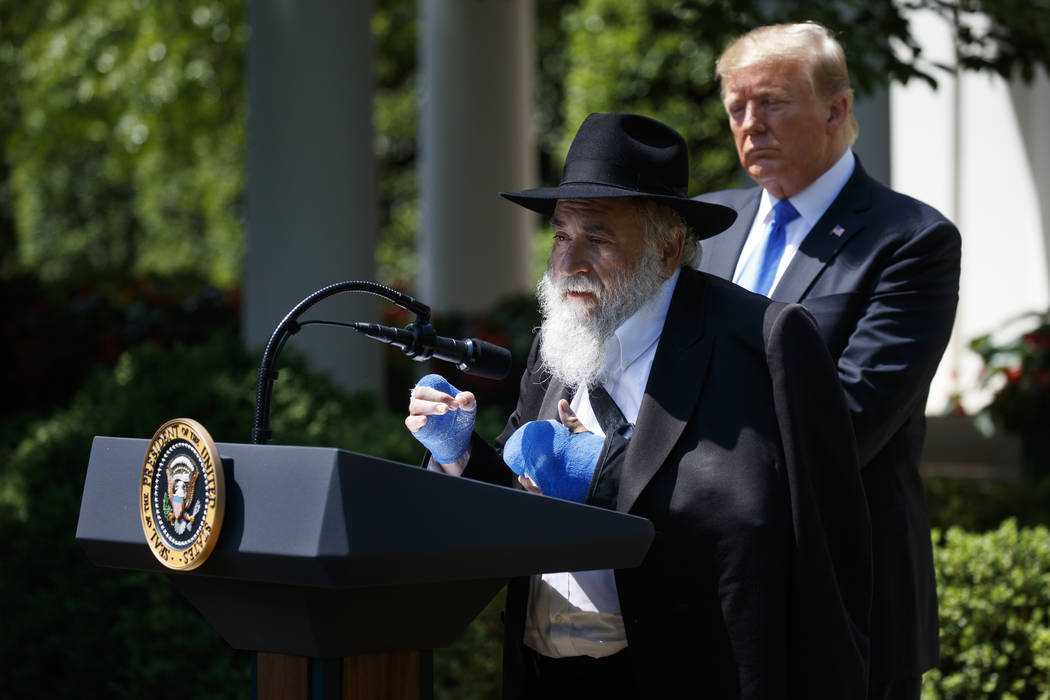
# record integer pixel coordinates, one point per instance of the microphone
(421, 342)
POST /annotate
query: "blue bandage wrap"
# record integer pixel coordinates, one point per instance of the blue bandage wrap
(561, 463)
(446, 435)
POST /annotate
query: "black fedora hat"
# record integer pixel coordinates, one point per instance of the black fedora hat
(628, 155)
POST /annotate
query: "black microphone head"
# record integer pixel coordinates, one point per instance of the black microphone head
(487, 360)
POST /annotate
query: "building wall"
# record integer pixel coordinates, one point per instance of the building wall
(977, 149)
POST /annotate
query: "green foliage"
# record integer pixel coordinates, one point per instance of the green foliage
(981, 506)
(656, 59)
(470, 668)
(122, 121)
(125, 144)
(1024, 362)
(395, 29)
(994, 591)
(54, 334)
(1019, 368)
(72, 628)
(1016, 371)
(1009, 37)
(128, 634)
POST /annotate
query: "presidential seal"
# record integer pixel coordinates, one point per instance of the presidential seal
(183, 494)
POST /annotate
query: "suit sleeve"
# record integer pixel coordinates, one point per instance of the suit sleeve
(897, 343)
(832, 574)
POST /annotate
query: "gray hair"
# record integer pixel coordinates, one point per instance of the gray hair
(808, 43)
(660, 223)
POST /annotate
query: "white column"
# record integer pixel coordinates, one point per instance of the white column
(476, 140)
(976, 149)
(311, 186)
(924, 162)
(1031, 105)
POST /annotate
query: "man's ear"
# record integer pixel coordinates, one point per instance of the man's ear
(671, 255)
(838, 112)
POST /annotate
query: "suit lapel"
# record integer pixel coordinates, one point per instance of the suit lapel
(721, 252)
(674, 386)
(843, 220)
(556, 391)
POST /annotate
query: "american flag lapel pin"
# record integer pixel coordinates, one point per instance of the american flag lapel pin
(837, 231)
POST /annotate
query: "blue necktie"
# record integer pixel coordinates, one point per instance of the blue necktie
(783, 214)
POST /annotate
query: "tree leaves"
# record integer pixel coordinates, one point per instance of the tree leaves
(126, 139)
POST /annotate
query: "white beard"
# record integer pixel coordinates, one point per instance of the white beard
(573, 337)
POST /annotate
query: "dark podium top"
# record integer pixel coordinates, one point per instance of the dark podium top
(328, 553)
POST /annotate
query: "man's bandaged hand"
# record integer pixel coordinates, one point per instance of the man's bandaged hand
(559, 461)
(441, 417)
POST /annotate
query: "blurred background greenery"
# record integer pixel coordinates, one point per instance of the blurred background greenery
(122, 132)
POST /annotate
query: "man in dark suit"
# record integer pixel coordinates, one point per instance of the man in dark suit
(723, 423)
(878, 270)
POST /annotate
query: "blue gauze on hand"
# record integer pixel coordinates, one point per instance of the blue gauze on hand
(446, 435)
(561, 463)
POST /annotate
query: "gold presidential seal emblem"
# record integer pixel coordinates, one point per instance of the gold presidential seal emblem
(183, 494)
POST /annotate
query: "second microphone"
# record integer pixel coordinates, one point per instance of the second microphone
(421, 342)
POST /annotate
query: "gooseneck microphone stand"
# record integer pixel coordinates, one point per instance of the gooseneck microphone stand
(290, 325)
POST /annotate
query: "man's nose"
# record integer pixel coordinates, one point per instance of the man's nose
(752, 118)
(575, 258)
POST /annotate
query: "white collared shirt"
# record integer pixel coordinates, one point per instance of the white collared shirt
(578, 613)
(811, 203)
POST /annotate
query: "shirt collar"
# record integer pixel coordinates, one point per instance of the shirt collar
(641, 330)
(812, 202)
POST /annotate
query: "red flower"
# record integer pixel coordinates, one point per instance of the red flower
(1037, 338)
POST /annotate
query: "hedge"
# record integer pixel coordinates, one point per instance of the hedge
(994, 591)
(72, 629)
(979, 505)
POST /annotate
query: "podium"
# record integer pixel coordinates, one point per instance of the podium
(329, 555)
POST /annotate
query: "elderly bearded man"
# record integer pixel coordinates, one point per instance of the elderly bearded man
(720, 419)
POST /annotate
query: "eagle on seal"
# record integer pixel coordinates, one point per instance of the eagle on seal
(182, 480)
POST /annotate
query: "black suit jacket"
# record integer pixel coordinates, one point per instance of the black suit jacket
(758, 582)
(880, 274)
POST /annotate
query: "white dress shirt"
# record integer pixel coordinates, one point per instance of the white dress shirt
(578, 613)
(811, 203)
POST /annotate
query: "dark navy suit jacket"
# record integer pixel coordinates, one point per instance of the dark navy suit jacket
(880, 274)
